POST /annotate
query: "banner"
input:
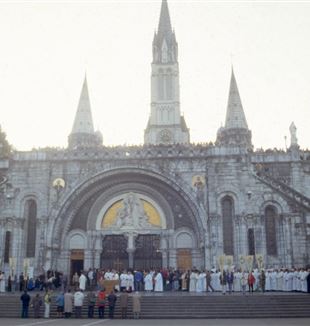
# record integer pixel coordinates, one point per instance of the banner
(249, 263)
(260, 261)
(229, 262)
(12, 263)
(242, 262)
(26, 266)
(221, 262)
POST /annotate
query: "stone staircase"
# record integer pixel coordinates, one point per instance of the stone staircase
(287, 191)
(189, 306)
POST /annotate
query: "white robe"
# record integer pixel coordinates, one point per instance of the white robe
(303, 280)
(201, 282)
(268, 281)
(237, 283)
(130, 282)
(193, 282)
(148, 282)
(2, 283)
(82, 281)
(158, 283)
(273, 278)
(123, 280)
(295, 278)
(280, 281)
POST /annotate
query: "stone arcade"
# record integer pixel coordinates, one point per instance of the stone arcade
(166, 203)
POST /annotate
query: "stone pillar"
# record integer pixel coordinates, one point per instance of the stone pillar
(131, 247)
(172, 258)
(164, 258)
(88, 257)
(97, 258)
(287, 240)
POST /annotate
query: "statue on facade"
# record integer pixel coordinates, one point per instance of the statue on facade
(293, 131)
(132, 214)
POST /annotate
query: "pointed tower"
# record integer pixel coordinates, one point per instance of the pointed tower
(235, 132)
(83, 134)
(165, 125)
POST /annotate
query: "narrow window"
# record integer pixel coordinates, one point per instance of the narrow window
(228, 235)
(31, 218)
(270, 225)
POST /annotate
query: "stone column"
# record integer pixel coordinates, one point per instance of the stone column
(131, 248)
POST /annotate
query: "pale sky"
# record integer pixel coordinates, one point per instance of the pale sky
(46, 47)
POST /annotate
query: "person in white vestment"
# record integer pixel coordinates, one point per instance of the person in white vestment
(201, 284)
(2, 282)
(279, 279)
(237, 282)
(115, 277)
(299, 280)
(158, 287)
(193, 278)
(130, 282)
(274, 280)
(268, 281)
(82, 282)
(303, 280)
(148, 282)
(256, 275)
(123, 281)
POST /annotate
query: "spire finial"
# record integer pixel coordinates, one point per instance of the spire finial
(164, 20)
(235, 117)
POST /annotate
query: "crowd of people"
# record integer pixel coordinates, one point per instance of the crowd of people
(283, 279)
(89, 287)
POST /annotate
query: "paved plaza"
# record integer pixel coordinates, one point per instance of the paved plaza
(174, 322)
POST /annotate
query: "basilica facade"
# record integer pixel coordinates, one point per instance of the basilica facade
(167, 203)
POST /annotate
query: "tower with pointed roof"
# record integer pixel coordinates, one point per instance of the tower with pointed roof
(166, 125)
(83, 133)
(236, 131)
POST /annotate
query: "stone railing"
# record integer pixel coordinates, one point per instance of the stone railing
(284, 189)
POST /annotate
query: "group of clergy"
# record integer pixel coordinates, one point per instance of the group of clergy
(286, 280)
(152, 280)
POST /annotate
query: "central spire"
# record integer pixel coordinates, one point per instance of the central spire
(164, 25)
(166, 125)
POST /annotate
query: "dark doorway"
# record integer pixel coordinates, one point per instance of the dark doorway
(77, 262)
(147, 254)
(114, 254)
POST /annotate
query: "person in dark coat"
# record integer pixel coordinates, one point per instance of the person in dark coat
(37, 303)
(262, 280)
(91, 302)
(111, 302)
(25, 299)
(123, 300)
(230, 281)
(21, 282)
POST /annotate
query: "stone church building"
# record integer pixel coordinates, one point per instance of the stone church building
(166, 203)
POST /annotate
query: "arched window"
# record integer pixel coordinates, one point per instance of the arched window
(31, 218)
(228, 230)
(7, 246)
(270, 226)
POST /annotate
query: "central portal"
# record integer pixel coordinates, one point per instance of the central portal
(147, 254)
(114, 252)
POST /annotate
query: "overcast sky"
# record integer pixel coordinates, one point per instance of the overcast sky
(46, 47)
